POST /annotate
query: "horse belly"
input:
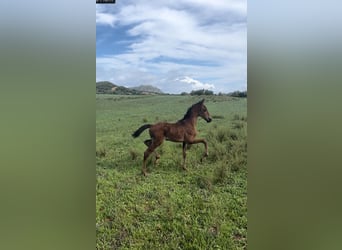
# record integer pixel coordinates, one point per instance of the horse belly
(175, 135)
(174, 138)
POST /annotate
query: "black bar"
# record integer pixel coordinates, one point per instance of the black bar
(105, 1)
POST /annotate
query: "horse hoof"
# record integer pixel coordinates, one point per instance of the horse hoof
(204, 156)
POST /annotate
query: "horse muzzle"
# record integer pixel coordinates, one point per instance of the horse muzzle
(209, 119)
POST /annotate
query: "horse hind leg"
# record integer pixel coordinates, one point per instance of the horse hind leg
(148, 142)
(152, 146)
(157, 156)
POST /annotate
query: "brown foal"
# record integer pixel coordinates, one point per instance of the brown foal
(183, 131)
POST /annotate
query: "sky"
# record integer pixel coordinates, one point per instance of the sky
(177, 46)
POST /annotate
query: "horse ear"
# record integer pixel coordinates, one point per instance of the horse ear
(202, 101)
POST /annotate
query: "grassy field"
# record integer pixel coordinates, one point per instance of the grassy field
(202, 208)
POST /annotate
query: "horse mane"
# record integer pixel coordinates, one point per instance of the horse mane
(188, 113)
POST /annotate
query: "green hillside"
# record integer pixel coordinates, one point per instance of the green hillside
(105, 87)
(148, 89)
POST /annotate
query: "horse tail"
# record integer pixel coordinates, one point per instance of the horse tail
(140, 130)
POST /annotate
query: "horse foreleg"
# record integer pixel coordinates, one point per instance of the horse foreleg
(184, 155)
(195, 141)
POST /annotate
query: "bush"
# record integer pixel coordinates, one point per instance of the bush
(134, 154)
(202, 92)
(203, 182)
(221, 174)
(238, 125)
(101, 152)
(217, 116)
(238, 94)
(240, 118)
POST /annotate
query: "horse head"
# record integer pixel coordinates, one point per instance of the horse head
(203, 111)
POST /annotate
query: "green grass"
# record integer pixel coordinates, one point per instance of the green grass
(202, 208)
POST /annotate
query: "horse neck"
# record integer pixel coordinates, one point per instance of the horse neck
(192, 119)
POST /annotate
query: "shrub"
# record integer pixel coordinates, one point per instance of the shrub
(134, 154)
(238, 94)
(101, 152)
(238, 125)
(203, 182)
(238, 117)
(217, 116)
(202, 92)
(221, 174)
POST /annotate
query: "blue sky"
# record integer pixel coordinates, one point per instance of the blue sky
(176, 46)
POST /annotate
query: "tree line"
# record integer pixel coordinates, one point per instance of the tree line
(209, 92)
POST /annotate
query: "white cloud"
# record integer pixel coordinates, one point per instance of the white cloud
(195, 84)
(104, 18)
(187, 38)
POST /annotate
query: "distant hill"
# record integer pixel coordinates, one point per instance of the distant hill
(106, 87)
(148, 89)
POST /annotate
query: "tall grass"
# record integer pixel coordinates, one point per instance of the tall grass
(202, 208)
